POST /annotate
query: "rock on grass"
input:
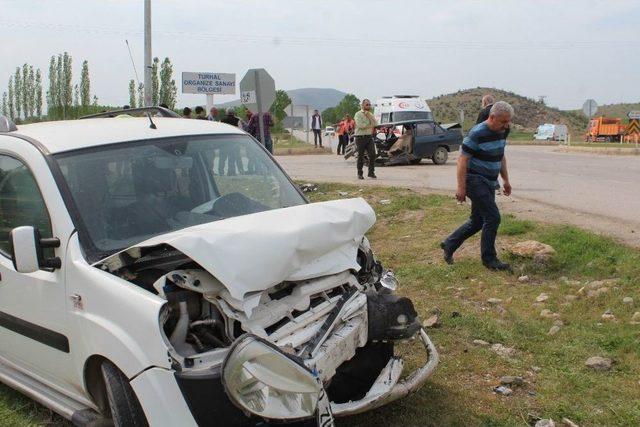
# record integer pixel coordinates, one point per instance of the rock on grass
(532, 249)
(598, 363)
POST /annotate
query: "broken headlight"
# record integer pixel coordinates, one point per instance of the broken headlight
(262, 380)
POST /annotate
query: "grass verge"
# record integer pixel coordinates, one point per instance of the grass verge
(556, 382)
(285, 144)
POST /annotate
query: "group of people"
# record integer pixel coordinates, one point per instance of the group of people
(250, 125)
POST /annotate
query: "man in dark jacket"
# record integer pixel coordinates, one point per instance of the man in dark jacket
(483, 115)
(316, 126)
(230, 153)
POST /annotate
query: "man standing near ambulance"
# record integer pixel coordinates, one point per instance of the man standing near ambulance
(480, 163)
(365, 123)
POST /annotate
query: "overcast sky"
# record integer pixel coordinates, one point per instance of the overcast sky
(567, 50)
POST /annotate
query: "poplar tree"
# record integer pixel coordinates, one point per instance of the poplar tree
(52, 93)
(25, 90)
(10, 105)
(76, 96)
(5, 111)
(38, 94)
(168, 89)
(66, 67)
(85, 85)
(155, 84)
(95, 101)
(17, 91)
(140, 95)
(32, 92)
(60, 95)
(132, 93)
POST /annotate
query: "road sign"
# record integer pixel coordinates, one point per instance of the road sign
(257, 93)
(209, 83)
(634, 114)
(293, 122)
(590, 108)
(258, 89)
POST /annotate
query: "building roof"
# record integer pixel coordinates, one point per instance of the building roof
(67, 135)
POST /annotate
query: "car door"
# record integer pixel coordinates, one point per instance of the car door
(428, 136)
(33, 328)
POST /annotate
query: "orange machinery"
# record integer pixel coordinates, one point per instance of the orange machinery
(605, 129)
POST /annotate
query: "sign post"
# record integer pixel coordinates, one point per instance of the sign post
(257, 93)
(209, 84)
(590, 108)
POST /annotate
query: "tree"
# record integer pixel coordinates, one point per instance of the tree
(38, 90)
(95, 101)
(17, 93)
(25, 90)
(168, 90)
(10, 104)
(85, 85)
(5, 110)
(66, 68)
(60, 95)
(155, 83)
(132, 93)
(329, 116)
(76, 96)
(350, 104)
(31, 92)
(278, 107)
(52, 93)
(140, 96)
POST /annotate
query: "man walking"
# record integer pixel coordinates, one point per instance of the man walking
(254, 129)
(480, 162)
(316, 126)
(365, 123)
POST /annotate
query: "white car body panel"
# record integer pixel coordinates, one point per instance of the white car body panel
(160, 396)
(290, 244)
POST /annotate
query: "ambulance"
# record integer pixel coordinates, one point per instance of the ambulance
(399, 108)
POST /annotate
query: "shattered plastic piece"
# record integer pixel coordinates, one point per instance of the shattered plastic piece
(385, 202)
(505, 391)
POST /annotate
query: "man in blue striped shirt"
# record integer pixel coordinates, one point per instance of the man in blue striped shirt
(481, 161)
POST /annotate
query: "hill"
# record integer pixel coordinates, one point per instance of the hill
(529, 113)
(319, 98)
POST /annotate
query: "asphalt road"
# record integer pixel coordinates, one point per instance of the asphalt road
(598, 192)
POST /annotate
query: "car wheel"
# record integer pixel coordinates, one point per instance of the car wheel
(440, 156)
(123, 403)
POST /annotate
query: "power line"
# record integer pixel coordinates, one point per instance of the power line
(328, 41)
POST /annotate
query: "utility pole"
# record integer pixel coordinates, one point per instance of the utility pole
(147, 53)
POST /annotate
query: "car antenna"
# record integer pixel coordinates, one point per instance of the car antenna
(152, 125)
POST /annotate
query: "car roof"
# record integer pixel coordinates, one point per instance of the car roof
(67, 135)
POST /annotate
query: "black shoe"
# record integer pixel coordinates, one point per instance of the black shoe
(372, 176)
(360, 177)
(497, 265)
(448, 256)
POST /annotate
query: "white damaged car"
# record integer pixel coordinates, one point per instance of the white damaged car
(167, 272)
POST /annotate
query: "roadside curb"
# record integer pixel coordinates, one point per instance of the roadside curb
(613, 151)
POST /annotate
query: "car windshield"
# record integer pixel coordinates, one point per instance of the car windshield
(129, 192)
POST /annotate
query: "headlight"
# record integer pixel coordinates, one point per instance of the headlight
(262, 380)
(389, 281)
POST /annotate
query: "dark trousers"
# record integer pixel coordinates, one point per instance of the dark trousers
(485, 216)
(364, 143)
(343, 141)
(317, 135)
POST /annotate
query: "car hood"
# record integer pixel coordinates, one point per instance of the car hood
(255, 252)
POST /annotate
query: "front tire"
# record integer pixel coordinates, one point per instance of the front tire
(440, 156)
(123, 403)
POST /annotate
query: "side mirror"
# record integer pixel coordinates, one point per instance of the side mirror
(26, 250)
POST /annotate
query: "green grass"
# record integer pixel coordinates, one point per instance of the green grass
(405, 239)
(285, 144)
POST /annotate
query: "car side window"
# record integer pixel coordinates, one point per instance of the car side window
(425, 129)
(439, 130)
(20, 202)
